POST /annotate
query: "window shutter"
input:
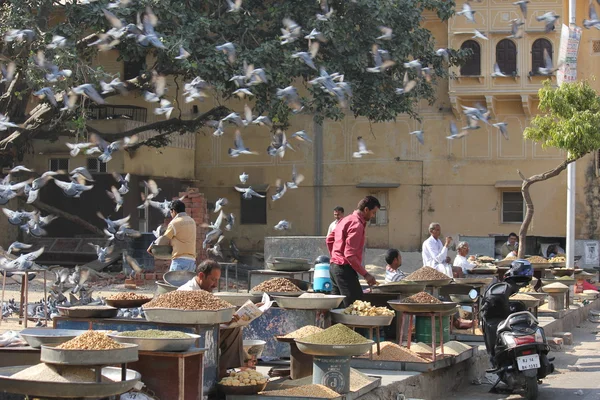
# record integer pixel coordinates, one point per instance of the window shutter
(506, 56)
(473, 65)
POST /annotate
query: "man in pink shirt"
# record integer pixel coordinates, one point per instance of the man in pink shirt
(346, 244)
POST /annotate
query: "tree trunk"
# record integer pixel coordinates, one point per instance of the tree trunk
(70, 217)
(527, 182)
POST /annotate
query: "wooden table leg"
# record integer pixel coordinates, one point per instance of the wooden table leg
(46, 300)
(26, 280)
(442, 333)
(409, 336)
(370, 337)
(2, 301)
(377, 340)
(401, 332)
(22, 299)
(181, 379)
(433, 336)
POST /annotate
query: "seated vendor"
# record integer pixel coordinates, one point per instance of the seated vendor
(461, 262)
(511, 246)
(230, 340)
(392, 269)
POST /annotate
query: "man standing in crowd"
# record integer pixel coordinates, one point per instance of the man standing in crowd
(181, 232)
(346, 244)
(435, 253)
(338, 214)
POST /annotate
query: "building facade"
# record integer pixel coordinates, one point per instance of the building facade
(470, 185)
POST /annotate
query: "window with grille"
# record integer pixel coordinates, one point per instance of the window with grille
(95, 165)
(253, 210)
(132, 68)
(473, 65)
(506, 56)
(537, 54)
(381, 218)
(596, 46)
(512, 207)
(59, 163)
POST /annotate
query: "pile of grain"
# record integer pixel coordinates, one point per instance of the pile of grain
(276, 285)
(189, 300)
(50, 373)
(128, 296)
(303, 332)
(155, 334)
(91, 308)
(421, 298)
(308, 391)
(510, 258)
(426, 274)
(393, 352)
(522, 296)
(90, 340)
(557, 259)
(358, 380)
(453, 348)
(337, 334)
(537, 260)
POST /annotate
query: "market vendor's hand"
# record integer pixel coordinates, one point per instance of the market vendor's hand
(259, 304)
(234, 319)
(371, 280)
(150, 249)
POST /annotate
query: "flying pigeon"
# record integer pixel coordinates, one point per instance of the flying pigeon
(362, 148)
(248, 192)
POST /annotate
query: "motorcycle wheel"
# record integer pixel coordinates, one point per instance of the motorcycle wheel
(531, 388)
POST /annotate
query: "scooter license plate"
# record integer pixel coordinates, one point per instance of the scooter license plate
(528, 362)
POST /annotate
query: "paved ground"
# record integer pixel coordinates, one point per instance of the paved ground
(577, 375)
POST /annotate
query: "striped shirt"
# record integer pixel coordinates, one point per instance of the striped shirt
(392, 275)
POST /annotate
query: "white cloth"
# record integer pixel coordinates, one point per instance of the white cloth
(332, 226)
(190, 285)
(463, 262)
(434, 252)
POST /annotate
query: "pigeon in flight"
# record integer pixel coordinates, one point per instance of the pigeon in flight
(239, 146)
(454, 134)
(248, 192)
(102, 252)
(243, 178)
(116, 197)
(302, 136)
(497, 73)
(381, 59)
(113, 226)
(549, 19)
(523, 6)
(296, 179)
(280, 189)
(73, 188)
(502, 127)
(23, 262)
(283, 225)
(362, 148)
(219, 204)
(468, 12)
(408, 85)
(123, 182)
(419, 136)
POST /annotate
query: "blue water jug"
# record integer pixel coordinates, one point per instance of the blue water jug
(322, 279)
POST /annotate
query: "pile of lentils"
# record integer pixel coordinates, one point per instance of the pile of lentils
(276, 285)
(90, 340)
(189, 300)
(422, 298)
(426, 274)
(155, 334)
(336, 335)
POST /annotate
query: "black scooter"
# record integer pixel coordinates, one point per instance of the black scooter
(516, 344)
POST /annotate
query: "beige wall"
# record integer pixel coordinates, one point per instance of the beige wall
(451, 182)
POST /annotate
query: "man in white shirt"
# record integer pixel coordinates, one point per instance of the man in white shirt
(461, 259)
(435, 253)
(338, 214)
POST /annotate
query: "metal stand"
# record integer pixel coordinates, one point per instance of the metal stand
(225, 266)
(432, 315)
(373, 331)
(332, 372)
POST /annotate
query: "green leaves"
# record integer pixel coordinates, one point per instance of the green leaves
(571, 121)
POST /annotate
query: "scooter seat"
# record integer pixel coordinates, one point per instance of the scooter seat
(519, 318)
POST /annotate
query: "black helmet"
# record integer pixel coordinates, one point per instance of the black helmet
(520, 271)
(322, 260)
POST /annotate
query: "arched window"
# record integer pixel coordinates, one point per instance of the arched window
(506, 56)
(537, 54)
(473, 65)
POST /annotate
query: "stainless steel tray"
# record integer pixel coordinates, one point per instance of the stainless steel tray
(52, 355)
(89, 312)
(178, 278)
(69, 390)
(407, 287)
(127, 303)
(425, 308)
(195, 317)
(273, 294)
(338, 316)
(436, 282)
(36, 337)
(238, 299)
(309, 303)
(474, 281)
(334, 350)
(158, 344)
(288, 264)
(162, 287)
(461, 298)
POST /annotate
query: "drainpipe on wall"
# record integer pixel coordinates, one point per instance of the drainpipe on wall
(318, 179)
(571, 176)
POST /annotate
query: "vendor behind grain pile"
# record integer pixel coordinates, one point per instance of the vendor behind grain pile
(392, 269)
(181, 232)
(230, 340)
(346, 244)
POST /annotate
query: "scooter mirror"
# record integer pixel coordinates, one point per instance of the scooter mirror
(473, 294)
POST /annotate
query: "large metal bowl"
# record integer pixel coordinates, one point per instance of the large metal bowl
(89, 311)
(238, 298)
(37, 337)
(422, 308)
(253, 348)
(405, 287)
(334, 350)
(242, 390)
(540, 296)
(127, 303)
(189, 317)
(562, 271)
(162, 252)
(273, 294)
(338, 316)
(288, 264)
(528, 303)
(53, 355)
(436, 282)
(162, 287)
(473, 281)
(67, 389)
(327, 302)
(158, 344)
(178, 278)
(483, 270)
(563, 281)
(461, 298)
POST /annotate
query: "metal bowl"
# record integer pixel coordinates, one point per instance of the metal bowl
(162, 252)
(238, 299)
(461, 298)
(334, 350)
(540, 296)
(37, 337)
(68, 389)
(483, 271)
(473, 281)
(242, 390)
(162, 287)
(406, 287)
(327, 302)
(178, 278)
(273, 294)
(158, 344)
(563, 281)
(127, 303)
(89, 311)
(424, 308)
(528, 303)
(338, 316)
(288, 264)
(253, 348)
(189, 317)
(53, 355)
(436, 282)
(562, 271)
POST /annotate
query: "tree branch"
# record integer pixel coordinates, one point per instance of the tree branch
(70, 217)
